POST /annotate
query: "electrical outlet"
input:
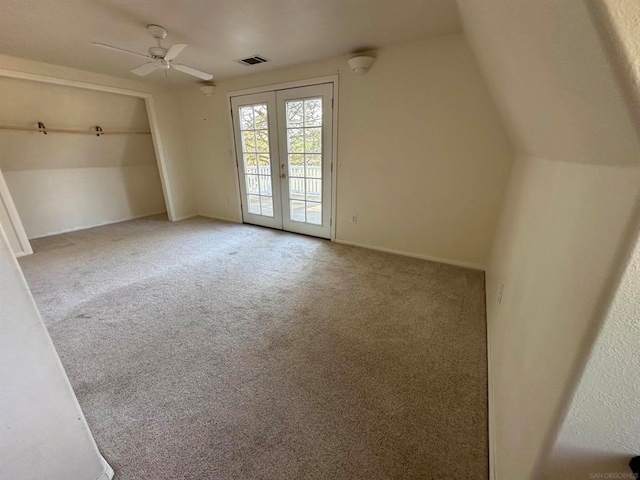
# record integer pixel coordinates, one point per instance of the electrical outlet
(500, 292)
(354, 218)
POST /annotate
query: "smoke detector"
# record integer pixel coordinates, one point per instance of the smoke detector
(207, 89)
(360, 65)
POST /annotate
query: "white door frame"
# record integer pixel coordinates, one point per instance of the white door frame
(6, 202)
(334, 79)
(151, 113)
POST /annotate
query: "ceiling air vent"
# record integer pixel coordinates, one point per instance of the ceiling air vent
(254, 60)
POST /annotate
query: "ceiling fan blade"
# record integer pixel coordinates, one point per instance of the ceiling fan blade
(192, 71)
(175, 50)
(145, 69)
(109, 47)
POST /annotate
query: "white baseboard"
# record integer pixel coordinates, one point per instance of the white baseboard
(86, 227)
(224, 219)
(108, 472)
(192, 215)
(491, 423)
(184, 217)
(415, 255)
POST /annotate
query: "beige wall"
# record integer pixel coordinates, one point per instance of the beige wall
(557, 247)
(44, 433)
(567, 218)
(422, 156)
(63, 182)
(167, 106)
(50, 202)
(600, 432)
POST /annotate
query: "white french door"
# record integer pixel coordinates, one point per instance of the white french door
(256, 139)
(283, 142)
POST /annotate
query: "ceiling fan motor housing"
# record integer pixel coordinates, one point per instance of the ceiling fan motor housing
(158, 52)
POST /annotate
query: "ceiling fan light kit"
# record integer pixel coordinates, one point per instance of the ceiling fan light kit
(161, 57)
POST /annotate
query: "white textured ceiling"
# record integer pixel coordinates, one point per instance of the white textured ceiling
(218, 32)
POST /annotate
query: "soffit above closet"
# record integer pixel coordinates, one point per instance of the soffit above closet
(218, 32)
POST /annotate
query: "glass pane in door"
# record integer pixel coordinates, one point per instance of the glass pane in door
(304, 150)
(254, 133)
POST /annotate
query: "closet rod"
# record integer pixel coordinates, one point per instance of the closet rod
(85, 132)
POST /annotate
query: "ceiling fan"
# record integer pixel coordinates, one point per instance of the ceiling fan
(161, 58)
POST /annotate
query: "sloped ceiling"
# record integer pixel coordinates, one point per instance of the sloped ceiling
(551, 77)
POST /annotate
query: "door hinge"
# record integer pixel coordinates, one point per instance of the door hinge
(331, 222)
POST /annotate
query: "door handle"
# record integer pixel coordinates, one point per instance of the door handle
(283, 175)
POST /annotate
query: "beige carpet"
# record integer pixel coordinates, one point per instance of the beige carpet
(210, 350)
